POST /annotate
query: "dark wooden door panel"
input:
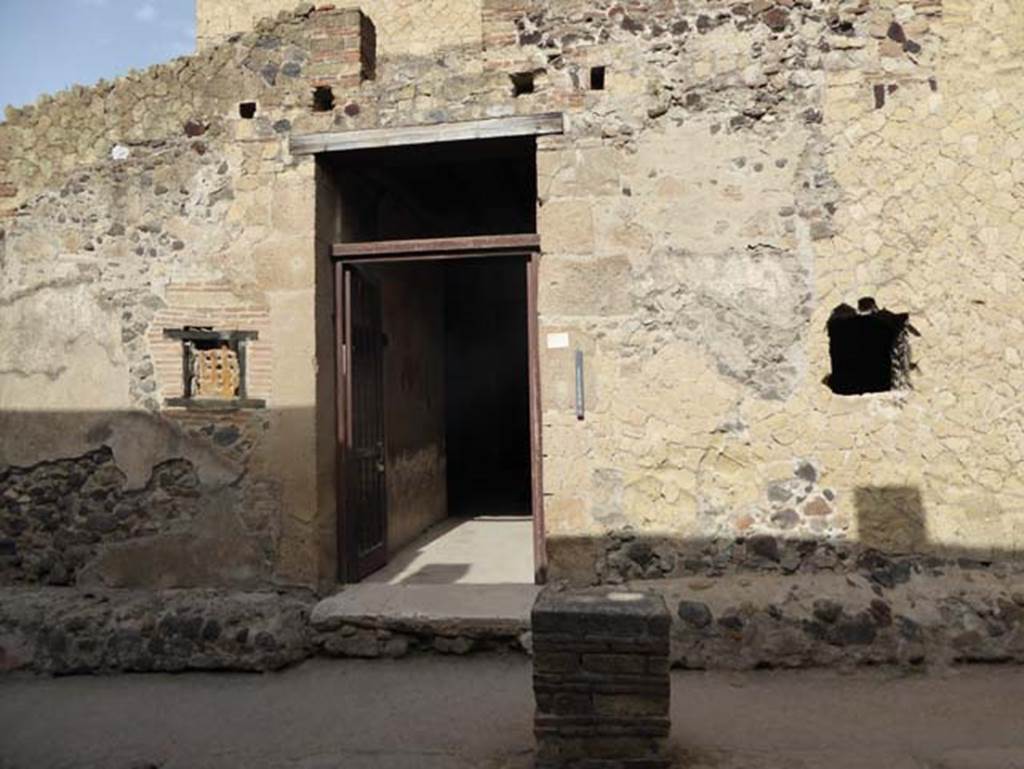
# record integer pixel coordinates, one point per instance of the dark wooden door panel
(365, 490)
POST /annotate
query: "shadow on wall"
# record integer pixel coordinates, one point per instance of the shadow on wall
(184, 498)
(891, 516)
(892, 542)
(199, 498)
(767, 601)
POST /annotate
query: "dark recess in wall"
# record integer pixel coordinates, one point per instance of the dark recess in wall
(869, 349)
(323, 99)
(522, 83)
(443, 190)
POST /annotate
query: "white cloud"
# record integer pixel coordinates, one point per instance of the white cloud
(146, 12)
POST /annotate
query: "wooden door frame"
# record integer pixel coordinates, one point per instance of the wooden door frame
(526, 246)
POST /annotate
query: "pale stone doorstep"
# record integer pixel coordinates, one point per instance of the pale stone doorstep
(450, 610)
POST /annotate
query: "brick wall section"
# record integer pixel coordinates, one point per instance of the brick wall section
(404, 27)
(166, 353)
(344, 48)
(498, 21)
(600, 678)
(501, 36)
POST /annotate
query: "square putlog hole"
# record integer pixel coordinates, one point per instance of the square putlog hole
(323, 99)
(522, 83)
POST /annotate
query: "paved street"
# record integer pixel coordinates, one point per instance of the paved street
(457, 713)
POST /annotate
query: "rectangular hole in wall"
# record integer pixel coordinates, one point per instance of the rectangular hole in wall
(597, 75)
(868, 348)
(323, 99)
(522, 83)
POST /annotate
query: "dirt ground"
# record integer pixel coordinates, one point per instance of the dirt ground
(457, 713)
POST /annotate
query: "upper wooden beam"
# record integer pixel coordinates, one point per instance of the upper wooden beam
(437, 248)
(493, 128)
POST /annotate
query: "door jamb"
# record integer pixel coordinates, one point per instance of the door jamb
(433, 249)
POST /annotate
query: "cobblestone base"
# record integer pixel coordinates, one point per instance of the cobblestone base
(732, 622)
(747, 621)
(64, 631)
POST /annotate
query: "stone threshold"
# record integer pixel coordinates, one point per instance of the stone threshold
(371, 620)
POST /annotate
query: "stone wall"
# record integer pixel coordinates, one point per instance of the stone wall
(745, 169)
(140, 206)
(730, 623)
(169, 199)
(66, 631)
(768, 166)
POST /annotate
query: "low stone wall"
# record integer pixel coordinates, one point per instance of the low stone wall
(600, 677)
(627, 555)
(58, 515)
(396, 639)
(735, 621)
(64, 631)
(824, 620)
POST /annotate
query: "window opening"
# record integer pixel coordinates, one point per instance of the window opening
(869, 349)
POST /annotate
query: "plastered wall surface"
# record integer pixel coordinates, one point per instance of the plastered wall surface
(747, 168)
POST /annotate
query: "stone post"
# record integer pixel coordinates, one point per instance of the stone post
(600, 677)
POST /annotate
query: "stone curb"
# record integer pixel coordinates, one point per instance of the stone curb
(733, 623)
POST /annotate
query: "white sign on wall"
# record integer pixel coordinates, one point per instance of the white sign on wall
(558, 341)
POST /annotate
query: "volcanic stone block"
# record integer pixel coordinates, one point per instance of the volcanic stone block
(600, 678)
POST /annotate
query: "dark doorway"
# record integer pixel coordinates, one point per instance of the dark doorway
(438, 400)
(447, 233)
(454, 395)
(487, 421)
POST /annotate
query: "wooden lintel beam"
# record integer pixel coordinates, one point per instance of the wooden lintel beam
(493, 128)
(476, 245)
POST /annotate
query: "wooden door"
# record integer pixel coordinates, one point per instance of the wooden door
(363, 492)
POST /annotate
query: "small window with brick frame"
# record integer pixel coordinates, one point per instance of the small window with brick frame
(213, 368)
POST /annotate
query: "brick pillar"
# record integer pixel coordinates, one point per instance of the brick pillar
(600, 677)
(343, 47)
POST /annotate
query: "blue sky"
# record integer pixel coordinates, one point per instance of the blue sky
(48, 45)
